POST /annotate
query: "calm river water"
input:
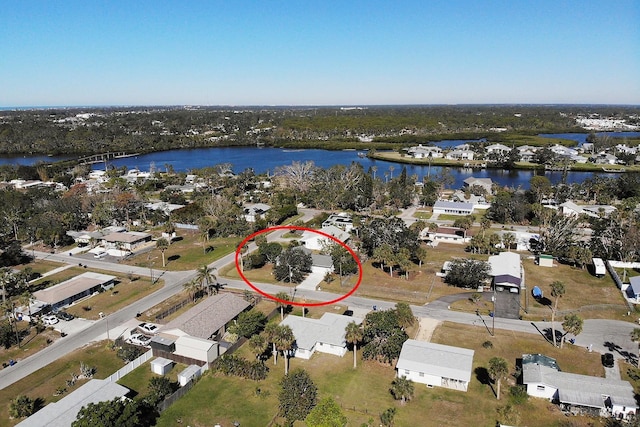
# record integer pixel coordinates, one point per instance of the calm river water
(264, 160)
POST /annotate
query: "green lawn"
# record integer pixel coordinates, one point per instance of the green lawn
(44, 382)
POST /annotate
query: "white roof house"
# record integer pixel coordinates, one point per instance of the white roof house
(421, 151)
(326, 335)
(315, 241)
(196, 348)
(71, 290)
(497, 148)
(255, 211)
(485, 183)
(452, 208)
(606, 396)
(435, 364)
(65, 411)
(506, 269)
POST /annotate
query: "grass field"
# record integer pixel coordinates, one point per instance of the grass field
(44, 382)
(363, 392)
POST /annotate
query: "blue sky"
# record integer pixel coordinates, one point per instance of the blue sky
(309, 52)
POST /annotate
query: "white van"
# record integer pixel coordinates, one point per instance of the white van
(101, 254)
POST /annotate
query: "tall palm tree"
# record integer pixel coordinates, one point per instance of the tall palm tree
(508, 239)
(258, 344)
(281, 305)
(284, 340)
(353, 335)
(206, 278)
(270, 332)
(163, 245)
(498, 368)
(192, 287)
(402, 389)
(557, 291)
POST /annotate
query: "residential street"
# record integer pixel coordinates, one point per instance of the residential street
(602, 335)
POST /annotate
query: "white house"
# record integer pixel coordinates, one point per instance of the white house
(326, 335)
(485, 183)
(506, 270)
(633, 290)
(423, 152)
(341, 220)
(497, 148)
(255, 211)
(315, 241)
(460, 155)
(582, 393)
(195, 348)
(452, 208)
(435, 364)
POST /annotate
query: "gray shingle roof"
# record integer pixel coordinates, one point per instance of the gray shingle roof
(329, 329)
(206, 318)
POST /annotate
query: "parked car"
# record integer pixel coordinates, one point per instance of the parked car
(101, 254)
(348, 313)
(139, 339)
(607, 360)
(49, 319)
(148, 328)
(63, 315)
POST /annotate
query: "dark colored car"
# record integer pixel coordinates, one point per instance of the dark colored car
(348, 313)
(607, 360)
(63, 315)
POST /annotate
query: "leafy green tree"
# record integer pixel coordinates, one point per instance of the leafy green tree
(384, 255)
(298, 396)
(248, 323)
(402, 389)
(327, 413)
(159, 388)
(292, 266)
(22, 406)
(391, 231)
(464, 223)
(383, 336)
(354, 335)
(467, 273)
(572, 325)
(113, 413)
(282, 296)
(557, 291)
(271, 251)
(508, 240)
(163, 245)
(498, 368)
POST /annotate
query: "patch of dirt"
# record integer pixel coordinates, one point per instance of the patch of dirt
(426, 328)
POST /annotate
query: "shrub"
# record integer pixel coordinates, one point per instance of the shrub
(518, 394)
(487, 344)
(240, 367)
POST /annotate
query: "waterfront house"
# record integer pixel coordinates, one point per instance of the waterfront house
(484, 183)
(425, 151)
(435, 364)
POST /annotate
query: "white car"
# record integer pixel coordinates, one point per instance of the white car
(139, 339)
(148, 328)
(49, 319)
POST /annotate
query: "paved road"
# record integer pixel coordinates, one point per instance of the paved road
(601, 335)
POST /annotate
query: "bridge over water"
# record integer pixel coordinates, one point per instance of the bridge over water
(103, 157)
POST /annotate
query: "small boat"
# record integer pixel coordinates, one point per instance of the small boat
(361, 154)
(620, 170)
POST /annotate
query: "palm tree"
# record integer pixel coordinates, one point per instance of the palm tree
(635, 337)
(258, 344)
(508, 239)
(374, 169)
(206, 278)
(557, 291)
(192, 287)
(402, 389)
(283, 341)
(163, 245)
(270, 332)
(284, 297)
(353, 335)
(572, 325)
(404, 315)
(498, 368)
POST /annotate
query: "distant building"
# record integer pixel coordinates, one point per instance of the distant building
(255, 211)
(341, 220)
(69, 291)
(452, 208)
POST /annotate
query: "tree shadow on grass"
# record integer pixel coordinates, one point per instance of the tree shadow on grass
(483, 376)
(173, 258)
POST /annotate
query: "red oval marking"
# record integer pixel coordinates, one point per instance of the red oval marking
(299, 304)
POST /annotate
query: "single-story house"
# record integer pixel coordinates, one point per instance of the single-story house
(435, 364)
(69, 291)
(326, 335)
(125, 241)
(506, 270)
(315, 241)
(497, 148)
(255, 211)
(196, 349)
(448, 235)
(569, 208)
(209, 319)
(65, 411)
(485, 183)
(460, 155)
(577, 393)
(341, 220)
(85, 237)
(163, 207)
(422, 152)
(452, 208)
